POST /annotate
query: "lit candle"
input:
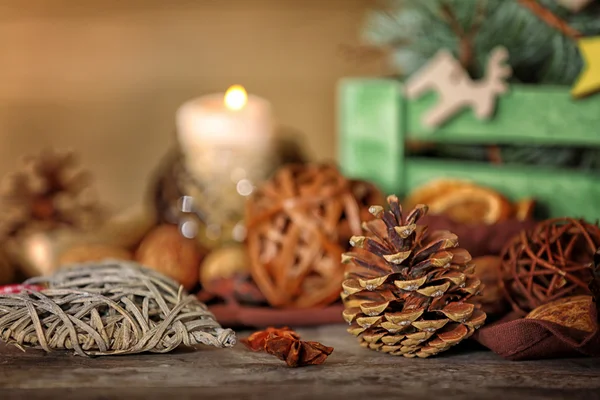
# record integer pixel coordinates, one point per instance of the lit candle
(226, 140)
(224, 121)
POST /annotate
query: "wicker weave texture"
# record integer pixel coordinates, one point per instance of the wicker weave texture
(299, 224)
(108, 308)
(550, 262)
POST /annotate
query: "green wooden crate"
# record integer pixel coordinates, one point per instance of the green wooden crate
(375, 119)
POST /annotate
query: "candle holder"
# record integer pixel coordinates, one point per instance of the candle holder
(210, 206)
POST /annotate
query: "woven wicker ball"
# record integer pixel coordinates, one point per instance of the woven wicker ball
(549, 262)
(298, 225)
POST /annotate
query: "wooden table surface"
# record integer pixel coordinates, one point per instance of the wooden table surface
(351, 372)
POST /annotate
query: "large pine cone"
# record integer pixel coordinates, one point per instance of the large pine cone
(407, 292)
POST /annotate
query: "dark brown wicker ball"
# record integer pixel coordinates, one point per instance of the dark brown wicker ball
(551, 261)
(298, 225)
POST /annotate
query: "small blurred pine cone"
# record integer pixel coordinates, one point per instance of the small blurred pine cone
(50, 190)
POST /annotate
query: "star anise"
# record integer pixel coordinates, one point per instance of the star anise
(257, 341)
(296, 352)
(286, 345)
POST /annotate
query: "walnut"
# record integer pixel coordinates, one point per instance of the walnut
(223, 263)
(571, 312)
(166, 250)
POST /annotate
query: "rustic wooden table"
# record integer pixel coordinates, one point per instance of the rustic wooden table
(351, 372)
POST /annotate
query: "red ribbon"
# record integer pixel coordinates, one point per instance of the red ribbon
(16, 289)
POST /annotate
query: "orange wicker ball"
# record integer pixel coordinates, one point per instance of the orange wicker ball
(298, 225)
(551, 261)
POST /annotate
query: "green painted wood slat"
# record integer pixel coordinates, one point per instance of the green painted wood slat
(526, 115)
(370, 125)
(375, 119)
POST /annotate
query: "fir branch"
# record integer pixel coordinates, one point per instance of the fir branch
(550, 18)
(465, 52)
(539, 53)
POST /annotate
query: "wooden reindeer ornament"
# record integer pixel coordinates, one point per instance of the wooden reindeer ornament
(455, 87)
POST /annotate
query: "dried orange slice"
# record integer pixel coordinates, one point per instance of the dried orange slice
(426, 193)
(462, 201)
(466, 202)
(472, 205)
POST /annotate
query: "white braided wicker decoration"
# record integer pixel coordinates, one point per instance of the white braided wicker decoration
(108, 308)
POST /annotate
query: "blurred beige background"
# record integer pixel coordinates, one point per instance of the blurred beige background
(105, 76)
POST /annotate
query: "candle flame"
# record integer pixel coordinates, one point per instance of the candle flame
(236, 97)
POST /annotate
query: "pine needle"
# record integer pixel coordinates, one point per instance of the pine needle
(539, 52)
